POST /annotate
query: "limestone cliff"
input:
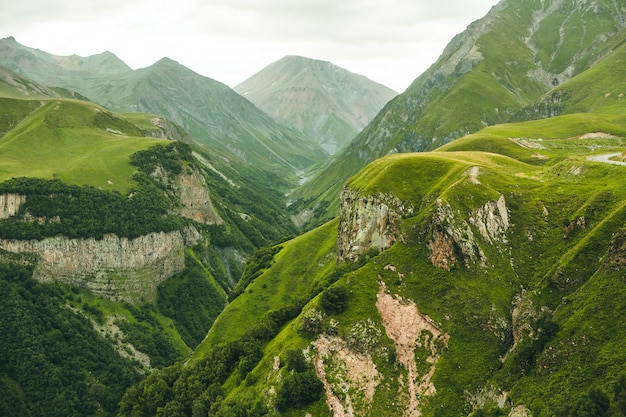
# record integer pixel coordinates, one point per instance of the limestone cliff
(190, 188)
(114, 267)
(368, 222)
(195, 199)
(453, 236)
(10, 204)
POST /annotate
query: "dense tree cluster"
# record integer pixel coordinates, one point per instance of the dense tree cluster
(191, 301)
(55, 208)
(52, 361)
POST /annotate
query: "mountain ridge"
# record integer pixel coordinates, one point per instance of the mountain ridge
(210, 111)
(476, 82)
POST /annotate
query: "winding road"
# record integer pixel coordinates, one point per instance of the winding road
(606, 158)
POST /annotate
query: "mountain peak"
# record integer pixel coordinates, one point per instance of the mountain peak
(327, 103)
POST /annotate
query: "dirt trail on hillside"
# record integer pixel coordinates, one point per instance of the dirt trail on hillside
(606, 158)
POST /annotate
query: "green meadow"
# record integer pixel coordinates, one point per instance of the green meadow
(77, 142)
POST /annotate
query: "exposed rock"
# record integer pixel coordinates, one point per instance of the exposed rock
(410, 329)
(368, 222)
(442, 254)
(196, 200)
(112, 331)
(352, 373)
(114, 267)
(578, 224)
(10, 204)
(487, 395)
(616, 257)
(520, 411)
(452, 239)
(191, 190)
(492, 220)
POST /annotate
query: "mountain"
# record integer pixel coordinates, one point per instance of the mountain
(329, 104)
(482, 278)
(118, 246)
(501, 64)
(73, 72)
(147, 272)
(210, 111)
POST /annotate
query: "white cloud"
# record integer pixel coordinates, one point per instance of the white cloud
(390, 41)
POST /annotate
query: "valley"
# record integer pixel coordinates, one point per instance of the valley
(312, 243)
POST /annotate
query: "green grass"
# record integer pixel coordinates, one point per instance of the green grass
(59, 140)
(298, 269)
(469, 302)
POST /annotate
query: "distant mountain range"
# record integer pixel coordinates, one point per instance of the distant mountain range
(329, 104)
(210, 111)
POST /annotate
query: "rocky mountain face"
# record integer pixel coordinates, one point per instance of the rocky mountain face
(368, 222)
(499, 65)
(116, 267)
(120, 269)
(329, 104)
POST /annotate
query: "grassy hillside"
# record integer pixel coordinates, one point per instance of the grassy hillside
(76, 142)
(519, 316)
(487, 75)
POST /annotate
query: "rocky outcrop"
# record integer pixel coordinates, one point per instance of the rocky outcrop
(196, 200)
(453, 238)
(118, 268)
(411, 330)
(10, 204)
(492, 220)
(191, 190)
(368, 222)
(350, 378)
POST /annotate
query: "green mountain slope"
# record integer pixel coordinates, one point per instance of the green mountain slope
(210, 111)
(213, 113)
(330, 105)
(498, 66)
(91, 146)
(599, 89)
(123, 240)
(455, 282)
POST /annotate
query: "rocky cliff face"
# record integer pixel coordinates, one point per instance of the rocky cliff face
(191, 190)
(372, 222)
(10, 204)
(118, 268)
(368, 222)
(453, 238)
(195, 199)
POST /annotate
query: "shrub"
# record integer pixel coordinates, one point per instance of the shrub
(335, 299)
(298, 390)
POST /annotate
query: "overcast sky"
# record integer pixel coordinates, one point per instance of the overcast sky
(389, 41)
